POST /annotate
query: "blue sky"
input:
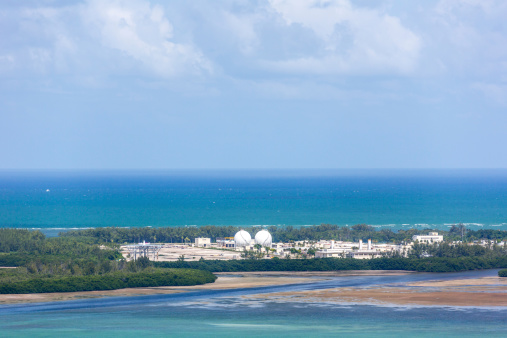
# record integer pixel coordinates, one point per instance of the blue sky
(253, 84)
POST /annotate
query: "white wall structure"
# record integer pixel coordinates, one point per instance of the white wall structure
(365, 254)
(242, 238)
(432, 237)
(263, 238)
(202, 242)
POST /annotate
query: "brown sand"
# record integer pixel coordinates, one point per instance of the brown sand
(343, 273)
(487, 291)
(397, 296)
(464, 282)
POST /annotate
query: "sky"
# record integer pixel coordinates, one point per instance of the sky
(253, 84)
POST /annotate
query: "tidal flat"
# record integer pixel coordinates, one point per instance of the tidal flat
(341, 287)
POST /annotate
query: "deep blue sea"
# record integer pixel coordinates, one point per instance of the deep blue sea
(231, 313)
(54, 200)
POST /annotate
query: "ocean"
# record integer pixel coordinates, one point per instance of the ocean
(228, 313)
(399, 199)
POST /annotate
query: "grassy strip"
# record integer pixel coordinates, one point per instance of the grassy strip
(113, 281)
(433, 264)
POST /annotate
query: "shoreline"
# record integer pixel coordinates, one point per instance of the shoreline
(225, 280)
(475, 292)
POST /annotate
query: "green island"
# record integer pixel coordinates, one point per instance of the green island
(90, 260)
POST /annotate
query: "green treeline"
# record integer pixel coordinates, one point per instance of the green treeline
(280, 234)
(58, 256)
(112, 281)
(432, 264)
(77, 264)
(421, 250)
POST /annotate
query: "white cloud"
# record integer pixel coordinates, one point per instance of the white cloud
(289, 43)
(142, 32)
(472, 43)
(493, 91)
(476, 26)
(355, 39)
(103, 38)
(449, 7)
(243, 27)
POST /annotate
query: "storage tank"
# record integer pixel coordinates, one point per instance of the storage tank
(263, 238)
(242, 238)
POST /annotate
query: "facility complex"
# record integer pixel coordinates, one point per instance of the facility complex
(242, 245)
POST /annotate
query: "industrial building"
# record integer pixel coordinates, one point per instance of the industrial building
(432, 237)
(203, 242)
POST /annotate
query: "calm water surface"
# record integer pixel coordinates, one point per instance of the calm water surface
(389, 198)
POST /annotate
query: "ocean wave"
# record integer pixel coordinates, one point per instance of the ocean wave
(250, 326)
(442, 226)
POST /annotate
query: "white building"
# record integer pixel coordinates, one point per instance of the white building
(227, 242)
(202, 242)
(357, 250)
(335, 249)
(432, 237)
(365, 254)
(327, 253)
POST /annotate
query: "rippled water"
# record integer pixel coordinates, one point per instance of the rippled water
(227, 313)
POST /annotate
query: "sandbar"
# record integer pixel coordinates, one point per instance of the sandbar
(477, 292)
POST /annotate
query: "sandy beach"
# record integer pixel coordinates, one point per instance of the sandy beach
(486, 291)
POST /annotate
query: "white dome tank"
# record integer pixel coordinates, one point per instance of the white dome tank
(263, 238)
(242, 238)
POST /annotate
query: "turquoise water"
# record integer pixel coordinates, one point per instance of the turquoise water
(393, 198)
(227, 313)
(271, 319)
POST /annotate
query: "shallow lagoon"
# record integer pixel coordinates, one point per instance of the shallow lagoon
(228, 318)
(227, 313)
